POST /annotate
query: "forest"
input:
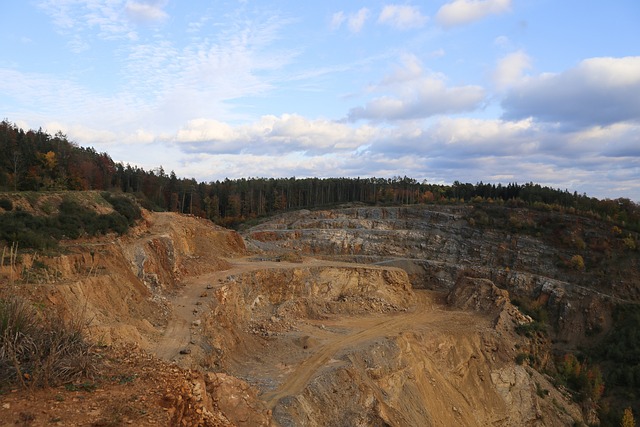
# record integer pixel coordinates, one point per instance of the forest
(37, 161)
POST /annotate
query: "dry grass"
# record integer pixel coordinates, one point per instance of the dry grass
(41, 349)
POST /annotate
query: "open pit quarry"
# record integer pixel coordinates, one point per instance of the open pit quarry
(353, 317)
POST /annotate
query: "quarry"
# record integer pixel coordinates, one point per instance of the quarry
(358, 316)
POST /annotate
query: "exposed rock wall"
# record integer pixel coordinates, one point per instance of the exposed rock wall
(436, 245)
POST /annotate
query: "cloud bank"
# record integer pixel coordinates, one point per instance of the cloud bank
(598, 91)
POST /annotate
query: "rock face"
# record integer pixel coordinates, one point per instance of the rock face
(438, 238)
(437, 244)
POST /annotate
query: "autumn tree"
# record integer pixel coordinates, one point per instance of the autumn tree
(627, 419)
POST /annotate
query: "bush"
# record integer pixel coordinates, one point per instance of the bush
(6, 204)
(586, 381)
(577, 262)
(124, 206)
(38, 350)
(529, 330)
(26, 230)
(630, 243)
(522, 357)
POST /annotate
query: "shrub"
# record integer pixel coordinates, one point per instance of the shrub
(6, 204)
(73, 221)
(124, 206)
(529, 330)
(627, 418)
(586, 381)
(630, 243)
(577, 262)
(38, 350)
(522, 357)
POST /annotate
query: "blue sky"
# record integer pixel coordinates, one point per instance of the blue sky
(503, 91)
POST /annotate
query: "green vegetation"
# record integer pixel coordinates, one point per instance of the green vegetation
(37, 161)
(40, 349)
(6, 204)
(577, 262)
(529, 330)
(586, 381)
(620, 349)
(618, 357)
(73, 220)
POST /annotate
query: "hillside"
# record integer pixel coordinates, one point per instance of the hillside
(405, 313)
(33, 160)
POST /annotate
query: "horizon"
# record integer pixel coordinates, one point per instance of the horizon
(494, 91)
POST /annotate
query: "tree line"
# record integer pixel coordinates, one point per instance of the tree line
(37, 161)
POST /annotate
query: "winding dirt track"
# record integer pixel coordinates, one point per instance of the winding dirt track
(177, 336)
(334, 335)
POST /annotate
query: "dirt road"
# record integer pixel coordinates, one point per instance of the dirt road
(279, 363)
(360, 329)
(189, 303)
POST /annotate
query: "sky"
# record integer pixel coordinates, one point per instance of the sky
(499, 91)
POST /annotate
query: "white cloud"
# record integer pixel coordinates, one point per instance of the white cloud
(617, 140)
(337, 19)
(490, 136)
(413, 93)
(200, 78)
(162, 84)
(77, 16)
(510, 69)
(438, 53)
(200, 130)
(78, 44)
(357, 20)
(599, 91)
(273, 134)
(149, 11)
(460, 12)
(402, 17)
(113, 19)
